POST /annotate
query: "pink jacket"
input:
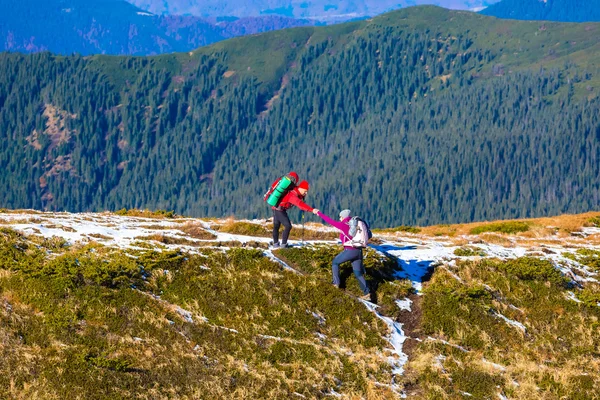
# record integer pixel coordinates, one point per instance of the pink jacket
(342, 226)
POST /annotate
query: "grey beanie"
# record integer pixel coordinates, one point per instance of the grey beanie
(345, 213)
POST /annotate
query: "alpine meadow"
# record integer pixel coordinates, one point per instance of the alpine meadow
(451, 158)
(418, 116)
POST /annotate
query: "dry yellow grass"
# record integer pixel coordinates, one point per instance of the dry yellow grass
(562, 224)
(496, 238)
(196, 230)
(4, 273)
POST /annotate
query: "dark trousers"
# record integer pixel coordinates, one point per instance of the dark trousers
(280, 217)
(355, 256)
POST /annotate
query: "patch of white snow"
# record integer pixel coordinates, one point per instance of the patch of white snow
(571, 296)
(511, 322)
(396, 339)
(404, 304)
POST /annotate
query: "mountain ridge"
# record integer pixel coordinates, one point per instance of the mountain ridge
(351, 89)
(321, 10)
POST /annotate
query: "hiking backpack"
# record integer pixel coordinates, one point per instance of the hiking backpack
(360, 232)
(279, 189)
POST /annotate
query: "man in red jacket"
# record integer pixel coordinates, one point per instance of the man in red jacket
(280, 217)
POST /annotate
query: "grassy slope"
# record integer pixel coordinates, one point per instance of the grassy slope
(556, 356)
(81, 321)
(468, 348)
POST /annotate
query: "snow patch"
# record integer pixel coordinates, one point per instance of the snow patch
(271, 337)
(317, 316)
(415, 261)
(590, 231)
(269, 254)
(432, 339)
(516, 308)
(185, 314)
(494, 365)
(571, 296)
(511, 322)
(333, 393)
(404, 304)
(396, 339)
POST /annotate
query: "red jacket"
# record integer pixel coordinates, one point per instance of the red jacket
(292, 198)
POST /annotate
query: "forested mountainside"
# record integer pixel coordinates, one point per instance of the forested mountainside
(549, 10)
(419, 116)
(116, 27)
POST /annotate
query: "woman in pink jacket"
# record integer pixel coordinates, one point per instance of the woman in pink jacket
(350, 254)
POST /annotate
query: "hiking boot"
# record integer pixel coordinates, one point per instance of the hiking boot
(275, 245)
(366, 297)
(284, 246)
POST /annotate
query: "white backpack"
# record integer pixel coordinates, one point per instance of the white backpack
(360, 233)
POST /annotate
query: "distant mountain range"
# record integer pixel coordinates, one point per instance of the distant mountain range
(323, 10)
(116, 27)
(549, 10)
(155, 27)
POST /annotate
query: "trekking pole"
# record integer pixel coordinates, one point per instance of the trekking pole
(303, 227)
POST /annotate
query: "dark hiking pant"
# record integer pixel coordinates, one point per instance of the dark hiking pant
(281, 218)
(355, 256)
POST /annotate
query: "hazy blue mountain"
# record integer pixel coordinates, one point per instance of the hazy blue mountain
(549, 10)
(324, 10)
(116, 27)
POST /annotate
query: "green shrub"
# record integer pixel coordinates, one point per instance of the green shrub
(478, 384)
(117, 364)
(583, 384)
(595, 221)
(549, 384)
(55, 243)
(502, 227)
(533, 269)
(478, 292)
(469, 252)
(145, 213)
(389, 291)
(590, 258)
(590, 296)
(403, 228)
(587, 257)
